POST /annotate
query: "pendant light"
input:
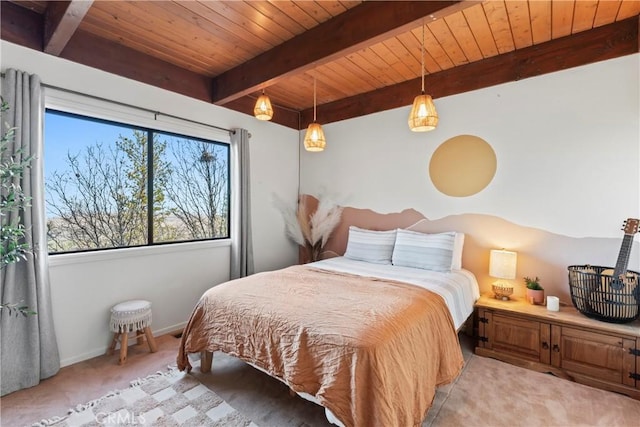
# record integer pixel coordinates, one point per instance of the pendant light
(263, 109)
(314, 139)
(423, 116)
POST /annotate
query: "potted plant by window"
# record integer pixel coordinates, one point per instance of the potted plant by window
(535, 292)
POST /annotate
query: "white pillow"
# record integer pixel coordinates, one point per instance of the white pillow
(458, 244)
(369, 245)
(426, 251)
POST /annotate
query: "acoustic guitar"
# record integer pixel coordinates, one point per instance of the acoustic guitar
(618, 293)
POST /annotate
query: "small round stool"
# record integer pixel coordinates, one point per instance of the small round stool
(127, 317)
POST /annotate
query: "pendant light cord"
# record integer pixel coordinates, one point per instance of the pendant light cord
(422, 58)
(314, 97)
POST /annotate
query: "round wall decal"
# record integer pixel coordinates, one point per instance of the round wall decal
(462, 166)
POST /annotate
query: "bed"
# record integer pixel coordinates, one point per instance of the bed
(369, 342)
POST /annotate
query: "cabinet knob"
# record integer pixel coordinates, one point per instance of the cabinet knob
(545, 345)
(556, 348)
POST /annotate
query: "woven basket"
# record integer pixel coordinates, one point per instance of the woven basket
(593, 296)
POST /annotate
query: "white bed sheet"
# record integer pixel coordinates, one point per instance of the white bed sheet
(459, 288)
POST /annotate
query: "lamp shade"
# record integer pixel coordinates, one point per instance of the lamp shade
(263, 109)
(423, 116)
(502, 264)
(314, 139)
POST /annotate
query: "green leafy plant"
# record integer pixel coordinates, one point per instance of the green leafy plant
(533, 284)
(12, 199)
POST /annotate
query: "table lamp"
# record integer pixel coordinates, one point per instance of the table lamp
(502, 265)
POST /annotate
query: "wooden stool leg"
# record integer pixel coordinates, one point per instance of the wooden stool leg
(112, 347)
(140, 336)
(150, 340)
(124, 343)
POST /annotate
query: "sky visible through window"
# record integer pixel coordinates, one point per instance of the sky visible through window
(60, 138)
(64, 136)
(96, 185)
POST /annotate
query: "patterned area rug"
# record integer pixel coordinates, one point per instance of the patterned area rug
(167, 399)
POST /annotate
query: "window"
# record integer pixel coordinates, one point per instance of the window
(114, 185)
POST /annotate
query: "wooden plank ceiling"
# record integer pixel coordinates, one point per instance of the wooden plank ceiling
(365, 56)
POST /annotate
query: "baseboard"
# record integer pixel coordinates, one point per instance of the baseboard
(172, 330)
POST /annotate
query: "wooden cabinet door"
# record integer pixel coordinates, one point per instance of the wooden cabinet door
(527, 339)
(638, 363)
(595, 355)
(637, 355)
(485, 318)
(631, 363)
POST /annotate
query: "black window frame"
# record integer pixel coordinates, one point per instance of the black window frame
(150, 180)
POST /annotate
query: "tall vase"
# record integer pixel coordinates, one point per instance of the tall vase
(310, 253)
(315, 251)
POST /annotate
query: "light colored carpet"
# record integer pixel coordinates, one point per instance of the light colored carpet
(493, 393)
(487, 393)
(166, 399)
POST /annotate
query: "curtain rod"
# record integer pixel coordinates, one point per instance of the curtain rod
(155, 113)
(124, 104)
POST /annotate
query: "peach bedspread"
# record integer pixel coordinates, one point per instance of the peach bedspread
(369, 350)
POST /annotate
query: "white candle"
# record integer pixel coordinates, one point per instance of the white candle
(553, 303)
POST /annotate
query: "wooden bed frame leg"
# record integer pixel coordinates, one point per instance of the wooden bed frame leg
(206, 357)
(467, 327)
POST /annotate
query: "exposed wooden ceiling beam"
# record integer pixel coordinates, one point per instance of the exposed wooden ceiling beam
(346, 33)
(283, 116)
(602, 43)
(115, 58)
(21, 26)
(61, 20)
(24, 27)
(96, 52)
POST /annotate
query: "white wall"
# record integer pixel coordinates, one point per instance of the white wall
(171, 277)
(567, 147)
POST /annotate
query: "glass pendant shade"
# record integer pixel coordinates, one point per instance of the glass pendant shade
(423, 116)
(314, 139)
(263, 109)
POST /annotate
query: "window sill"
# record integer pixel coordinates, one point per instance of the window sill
(122, 253)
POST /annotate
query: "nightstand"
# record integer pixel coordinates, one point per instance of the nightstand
(565, 343)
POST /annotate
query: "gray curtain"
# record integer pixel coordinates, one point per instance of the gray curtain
(241, 241)
(29, 349)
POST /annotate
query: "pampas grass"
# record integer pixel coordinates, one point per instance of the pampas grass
(323, 221)
(291, 223)
(310, 231)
